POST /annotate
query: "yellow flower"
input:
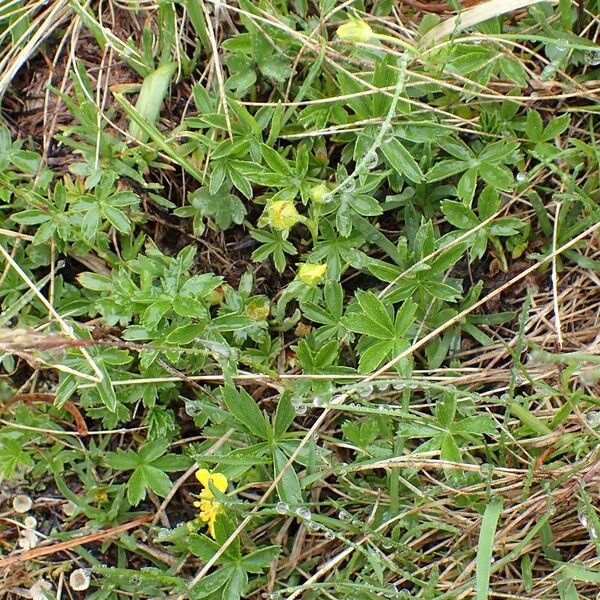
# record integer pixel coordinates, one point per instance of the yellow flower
(355, 30)
(209, 507)
(311, 273)
(282, 214)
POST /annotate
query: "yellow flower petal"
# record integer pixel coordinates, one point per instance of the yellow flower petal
(202, 476)
(218, 480)
(311, 273)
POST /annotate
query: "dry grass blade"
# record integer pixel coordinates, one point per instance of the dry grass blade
(474, 16)
(42, 27)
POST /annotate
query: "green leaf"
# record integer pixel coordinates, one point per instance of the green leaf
(136, 487)
(485, 548)
(375, 309)
(202, 546)
(445, 169)
(467, 184)
(93, 281)
(497, 175)
(12, 456)
(457, 148)
(231, 323)
(152, 450)
(31, 217)
(213, 581)
(459, 215)
(184, 334)
(123, 460)
(117, 218)
(401, 160)
(513, 70)
(236, 585)
(449, 449)
(158, 481)
(172, 462)
(186, 306)
(288, 487)
(243, 407)
(374, 355)
(284, 415)
(405, 317)
(259, 560)
(534, 126)
(556, 127)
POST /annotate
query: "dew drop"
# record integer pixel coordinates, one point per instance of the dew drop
(521, 177)
(486, 470)
(381, 408)
(548, 73)
(344, 515)
(371, 160)
(300, 408)
(192, 410)
(329, 535)
(388, 134)
(592, 418)
(382, 386)
(274, 596)
(282, 508)
(318, 401)
(312, 526)
(398, 386)
(365, 391)
(592, 57)
(304, 513)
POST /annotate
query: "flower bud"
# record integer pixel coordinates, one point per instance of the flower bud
(311, 273)
(282, 214)
(318, 193)
(355, 30)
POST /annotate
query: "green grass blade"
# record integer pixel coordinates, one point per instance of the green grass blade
(581, 573)
(153, 92)
(485, 548)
